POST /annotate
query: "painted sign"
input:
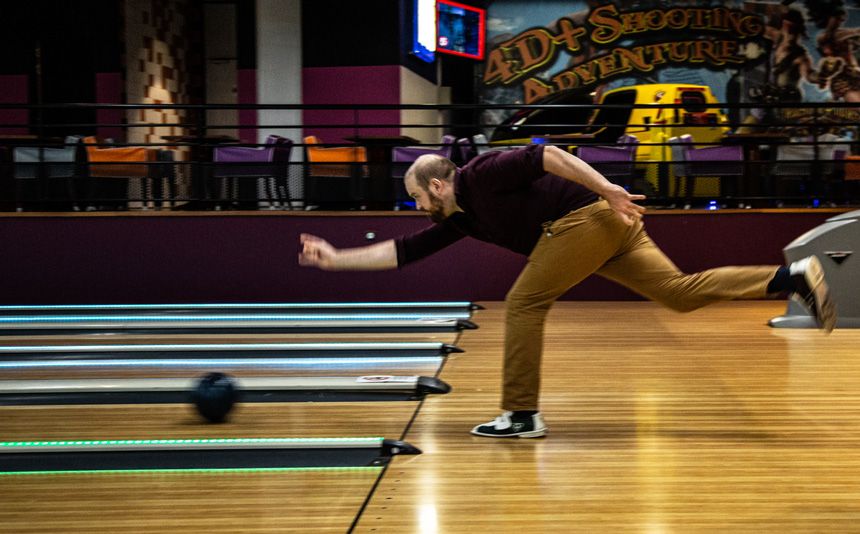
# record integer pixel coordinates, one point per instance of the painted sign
(745, 52)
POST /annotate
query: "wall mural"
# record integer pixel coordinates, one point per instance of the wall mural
(745, 51)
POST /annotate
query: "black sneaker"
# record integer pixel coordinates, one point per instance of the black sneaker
(506, 427)
(813, 293)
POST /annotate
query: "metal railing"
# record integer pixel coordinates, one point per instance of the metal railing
(798, 155)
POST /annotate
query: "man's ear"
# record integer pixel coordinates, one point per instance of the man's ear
(435, 184)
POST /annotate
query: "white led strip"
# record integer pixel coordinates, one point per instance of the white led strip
(188, 444)
(158, 385)
(223, 347)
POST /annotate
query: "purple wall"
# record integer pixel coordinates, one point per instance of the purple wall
(152, 258)
(14, 89)
(246, 81)
(350, 86)
(109, 91)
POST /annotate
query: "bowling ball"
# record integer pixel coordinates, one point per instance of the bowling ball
(214, 396)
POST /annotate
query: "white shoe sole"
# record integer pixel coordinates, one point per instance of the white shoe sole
(825, 309)
(532, 434)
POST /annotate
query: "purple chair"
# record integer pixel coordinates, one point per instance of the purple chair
(616, 163)
(403, 156)
(408, 154)
(269, 164)
(466, 150)
(722, 161)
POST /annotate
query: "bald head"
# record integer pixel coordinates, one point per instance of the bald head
(431, 166)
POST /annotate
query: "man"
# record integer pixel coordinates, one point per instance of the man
(570, 221)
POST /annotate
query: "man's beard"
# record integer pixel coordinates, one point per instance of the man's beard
(436, 211)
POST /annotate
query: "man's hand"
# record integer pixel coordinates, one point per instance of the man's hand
(557, 161)
(622, 202)
(316, 252)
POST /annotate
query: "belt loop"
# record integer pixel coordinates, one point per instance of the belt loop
(546, 227)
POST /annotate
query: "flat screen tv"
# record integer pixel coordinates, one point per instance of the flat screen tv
(460, 29)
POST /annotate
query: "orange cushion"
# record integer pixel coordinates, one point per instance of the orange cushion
(331, 157)
(99, 154)
(852, 168)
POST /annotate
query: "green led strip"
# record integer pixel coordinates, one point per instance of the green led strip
(245, 441)
(200, 470)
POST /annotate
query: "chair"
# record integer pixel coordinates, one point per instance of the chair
(165, 174)
(406, 155)
(128, 162)
(56, 162)
(403, 156)
(723, 161)
(269, 164)
(466, 150)
(806, 157)
(616, 163)
(482, 145)
(335, 175)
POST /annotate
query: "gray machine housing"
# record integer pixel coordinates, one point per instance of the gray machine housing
(836, 243)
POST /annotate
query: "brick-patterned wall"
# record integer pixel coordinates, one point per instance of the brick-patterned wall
(161, 54)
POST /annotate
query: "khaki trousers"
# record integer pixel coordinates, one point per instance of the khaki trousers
(590, 240)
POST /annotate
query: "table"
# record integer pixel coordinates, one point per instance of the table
(556, 138)
(564, 140)
(15, 137)
(382, 191)
(30, 140)
(752, 143)
(200, 145)
(200, 150)
(8, 142)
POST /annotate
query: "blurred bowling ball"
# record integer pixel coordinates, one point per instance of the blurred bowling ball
(214, 396)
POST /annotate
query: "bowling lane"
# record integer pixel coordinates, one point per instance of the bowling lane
(181, 421)
(297, 367)
(460, 309)
(394, 363)
(313, 500)
(382, 337)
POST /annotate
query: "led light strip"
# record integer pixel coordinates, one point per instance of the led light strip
(20, 447)
(240, 305)
(225, 318)
(165, 385)
(209, 362)
(219, 470)
(223, 347)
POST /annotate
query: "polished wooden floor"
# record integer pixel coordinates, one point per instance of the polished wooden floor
(658, 423)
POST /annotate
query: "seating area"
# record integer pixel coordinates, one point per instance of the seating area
(267, 165)
(812, 165)
(691, 163)
(616, 163)
(336, 176)
(403, 157)
(56, 162)
(337, 172)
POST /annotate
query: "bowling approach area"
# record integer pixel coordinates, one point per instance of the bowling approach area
(712, 421)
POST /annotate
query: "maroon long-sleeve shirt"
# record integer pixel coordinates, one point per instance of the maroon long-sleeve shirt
(505, 197)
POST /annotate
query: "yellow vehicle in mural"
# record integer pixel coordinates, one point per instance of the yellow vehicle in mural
(695, 112)
(636, 110)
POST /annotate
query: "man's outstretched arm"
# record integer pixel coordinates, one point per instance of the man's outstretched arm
(557, 161)
(317, 252)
